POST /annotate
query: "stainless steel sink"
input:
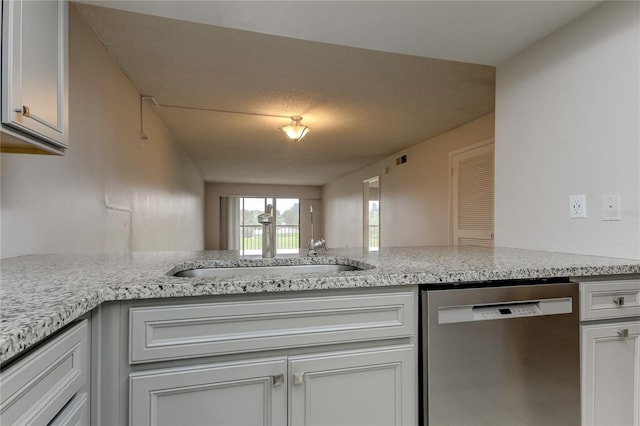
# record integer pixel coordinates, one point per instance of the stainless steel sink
(265, 270)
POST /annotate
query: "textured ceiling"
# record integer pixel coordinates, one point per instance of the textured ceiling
(477, 31)
(360, 105)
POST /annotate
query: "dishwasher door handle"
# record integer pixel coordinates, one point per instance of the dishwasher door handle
(504, 310)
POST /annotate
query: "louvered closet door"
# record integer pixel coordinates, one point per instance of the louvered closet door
(473, 183)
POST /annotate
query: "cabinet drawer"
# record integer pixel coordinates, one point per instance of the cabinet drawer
(187, 331)
(37, 387)
(609, 299)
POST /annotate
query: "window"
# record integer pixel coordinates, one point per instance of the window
(374, 226)
(287, 225)
(287, 217)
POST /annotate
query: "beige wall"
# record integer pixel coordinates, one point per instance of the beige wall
(414, 201)
(568, 122)
(109, 192)
(309, 196)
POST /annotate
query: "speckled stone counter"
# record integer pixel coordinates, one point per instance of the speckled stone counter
(39, 294)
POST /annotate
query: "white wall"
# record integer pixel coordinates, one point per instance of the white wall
(309, 196)
(109, 192)
(414, 197)
(568, 122)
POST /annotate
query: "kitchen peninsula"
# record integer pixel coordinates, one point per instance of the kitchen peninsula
(116, 332)
(43, 293)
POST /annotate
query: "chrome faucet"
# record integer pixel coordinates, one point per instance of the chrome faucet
(268, 232)
(314, 244)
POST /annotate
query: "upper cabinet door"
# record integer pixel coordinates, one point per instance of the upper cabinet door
(34, 69)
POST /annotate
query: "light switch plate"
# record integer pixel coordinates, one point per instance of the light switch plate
(577, 206)
(611, 207)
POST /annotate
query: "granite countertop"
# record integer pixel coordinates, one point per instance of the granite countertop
(39, 294)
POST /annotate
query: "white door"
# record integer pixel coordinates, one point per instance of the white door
(226, 394)
(611, 374)
(364, 388)
(472, 196)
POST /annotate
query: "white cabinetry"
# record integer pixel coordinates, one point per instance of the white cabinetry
(611, 374)
(224, 394)
(34, 76)
(169, 332)
(363, 388)
(50, 383)
(76, 413)
(610, 357)
(346, 357)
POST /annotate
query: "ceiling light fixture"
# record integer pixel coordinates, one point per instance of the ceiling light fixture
(295, 131)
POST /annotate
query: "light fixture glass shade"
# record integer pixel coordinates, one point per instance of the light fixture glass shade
(295, 131)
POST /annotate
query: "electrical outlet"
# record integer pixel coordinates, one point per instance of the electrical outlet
(611, 207)
(577, 206)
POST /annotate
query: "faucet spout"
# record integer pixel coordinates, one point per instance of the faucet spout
(268, 232)
(314, 244)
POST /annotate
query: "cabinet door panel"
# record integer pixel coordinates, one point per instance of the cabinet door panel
(39, 84)
(375, 387)
(76, 413)
(39, 385)
(35, 76)
(227, 394)
(611, 374)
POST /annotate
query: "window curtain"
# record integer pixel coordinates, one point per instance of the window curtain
(230, 223)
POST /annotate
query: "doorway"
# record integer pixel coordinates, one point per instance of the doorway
(371, 214)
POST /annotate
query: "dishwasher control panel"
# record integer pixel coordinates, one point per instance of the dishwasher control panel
(506, 310)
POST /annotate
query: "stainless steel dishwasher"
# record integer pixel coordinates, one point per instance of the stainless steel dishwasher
(501, 355)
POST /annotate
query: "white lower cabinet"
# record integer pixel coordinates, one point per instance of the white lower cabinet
(343, 358)
(610, 352)
(41, 387)
(364, 387)
(611, 374)
(76, 413)
(225, 394)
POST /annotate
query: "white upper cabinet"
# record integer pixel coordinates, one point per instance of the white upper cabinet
(35, 75)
